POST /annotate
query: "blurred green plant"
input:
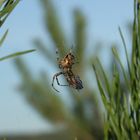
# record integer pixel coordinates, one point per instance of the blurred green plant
(120, 92)
(82, 117)
(6, 7)
(122, 107)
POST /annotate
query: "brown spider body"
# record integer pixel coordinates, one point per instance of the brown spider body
(65, 64)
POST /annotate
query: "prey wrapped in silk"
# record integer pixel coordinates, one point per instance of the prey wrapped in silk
(75, 82)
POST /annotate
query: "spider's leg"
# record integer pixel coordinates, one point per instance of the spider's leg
(59, 82)
(57, 55)
(55, 76)
(53, 81)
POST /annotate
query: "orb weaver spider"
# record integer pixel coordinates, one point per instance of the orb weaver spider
(65, 64)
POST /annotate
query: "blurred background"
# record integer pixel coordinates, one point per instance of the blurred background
(29, 107)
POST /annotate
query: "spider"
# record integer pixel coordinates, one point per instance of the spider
(65, 64)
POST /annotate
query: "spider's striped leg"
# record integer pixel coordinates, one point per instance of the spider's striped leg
(56, 76)
(59, 82)
(57, 55)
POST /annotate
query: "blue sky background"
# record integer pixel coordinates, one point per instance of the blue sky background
(26, 23)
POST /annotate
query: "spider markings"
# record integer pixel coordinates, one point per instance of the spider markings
(65, 64)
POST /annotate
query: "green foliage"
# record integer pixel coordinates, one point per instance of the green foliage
(6, 7)
(82, 117)
(120, 93)
(16, 54)
(3, 38)
(122, 106)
